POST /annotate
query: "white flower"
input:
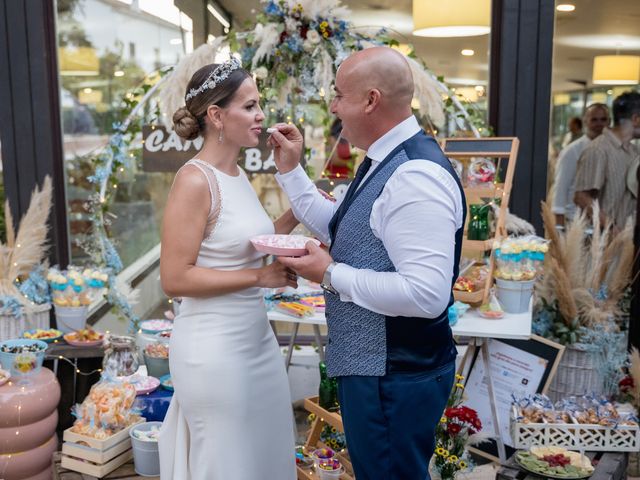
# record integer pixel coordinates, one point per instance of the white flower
(291, 25)
(261, 73)
(313, 36)
(308, 46)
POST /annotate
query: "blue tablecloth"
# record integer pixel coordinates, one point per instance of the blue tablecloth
(154, 405)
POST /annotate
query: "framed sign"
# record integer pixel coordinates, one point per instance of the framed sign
(165, 151)
(519, 367)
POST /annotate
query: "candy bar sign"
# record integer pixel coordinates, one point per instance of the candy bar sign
(165, 151)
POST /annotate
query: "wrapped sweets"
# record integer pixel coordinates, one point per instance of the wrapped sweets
(585, 410)
(106, 410)
(75, 288)
(519, 258)
(295, 309)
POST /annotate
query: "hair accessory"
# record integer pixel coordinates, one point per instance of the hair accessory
(219, 74)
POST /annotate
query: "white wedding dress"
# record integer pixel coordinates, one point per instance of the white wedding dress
(230, 417)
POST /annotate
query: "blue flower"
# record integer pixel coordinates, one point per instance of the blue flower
(272, 9)
(36, 287)
(294, 44)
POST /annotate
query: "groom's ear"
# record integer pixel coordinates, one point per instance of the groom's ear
(214, 114)
(373, 100)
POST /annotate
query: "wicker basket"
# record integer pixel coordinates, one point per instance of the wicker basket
(577, 375)
(36, 316)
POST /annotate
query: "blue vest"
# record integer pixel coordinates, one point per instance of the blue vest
(362, 342)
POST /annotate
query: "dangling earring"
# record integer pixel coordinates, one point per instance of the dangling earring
(220, 135)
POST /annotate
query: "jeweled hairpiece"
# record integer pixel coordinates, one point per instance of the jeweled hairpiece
(219, 74)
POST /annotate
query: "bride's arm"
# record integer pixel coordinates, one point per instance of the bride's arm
(286, 222)
(185, 219)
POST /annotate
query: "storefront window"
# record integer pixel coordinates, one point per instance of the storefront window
(106, 48)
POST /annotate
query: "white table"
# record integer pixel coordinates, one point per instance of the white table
(316, 320)
(515, 326)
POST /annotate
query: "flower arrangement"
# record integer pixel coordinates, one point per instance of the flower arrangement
(585, 281)
(458, 428)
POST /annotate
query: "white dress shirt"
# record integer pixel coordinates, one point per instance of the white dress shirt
(565, 177)
(416, 217)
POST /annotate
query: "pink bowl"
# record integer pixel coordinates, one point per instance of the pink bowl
(283, 245)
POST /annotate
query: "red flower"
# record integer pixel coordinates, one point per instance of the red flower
(626, 384)
(453, 429)
(466, 416)
(283, 36)
(303, 31)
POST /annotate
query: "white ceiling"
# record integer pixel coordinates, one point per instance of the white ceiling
(596, 27)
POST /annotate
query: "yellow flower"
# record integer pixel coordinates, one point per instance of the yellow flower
(325, 34)
(463, 464)
(324, 24)
(459, 377)
(452, 458)
(440, 451)
(445, 453)
(443, 420)
(459, 385)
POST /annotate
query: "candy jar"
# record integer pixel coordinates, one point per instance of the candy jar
(120, 356)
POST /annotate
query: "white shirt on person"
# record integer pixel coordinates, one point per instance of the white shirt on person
(416, 217)
(565, 177)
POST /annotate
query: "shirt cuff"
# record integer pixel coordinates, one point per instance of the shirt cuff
(559, 210)
(342, 277)
(293, 182)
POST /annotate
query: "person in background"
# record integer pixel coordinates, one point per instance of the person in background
(340, 164)
(596, 118)
(604, 165)
(575, 131)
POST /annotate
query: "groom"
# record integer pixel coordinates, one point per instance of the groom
(395, 246)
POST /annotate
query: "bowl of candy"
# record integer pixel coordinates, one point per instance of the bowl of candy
(329, 469)
(22, 357)
(85, 337)
(156, 358)
(49, 335)
(321, 454)
(152, 327)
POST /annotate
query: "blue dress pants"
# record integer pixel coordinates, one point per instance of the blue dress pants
(390, 421)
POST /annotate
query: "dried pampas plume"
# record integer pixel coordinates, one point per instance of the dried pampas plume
(427, 92)
(172, 93)
(26, 247)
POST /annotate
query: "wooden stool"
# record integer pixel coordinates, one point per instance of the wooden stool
(609, 466)
(124, 472)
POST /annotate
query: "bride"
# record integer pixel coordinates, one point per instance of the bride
(230, 416)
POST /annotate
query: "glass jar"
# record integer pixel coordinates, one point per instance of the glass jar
(478, 228)
(120, 356)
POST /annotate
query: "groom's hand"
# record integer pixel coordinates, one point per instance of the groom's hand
(311, 266)
(287, 144)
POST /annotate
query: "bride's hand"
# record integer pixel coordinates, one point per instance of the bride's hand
(277, 275)
(287, 142)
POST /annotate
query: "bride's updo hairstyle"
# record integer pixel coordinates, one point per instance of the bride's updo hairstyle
(213, 84)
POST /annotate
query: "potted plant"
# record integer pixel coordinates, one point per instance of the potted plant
(580, 302)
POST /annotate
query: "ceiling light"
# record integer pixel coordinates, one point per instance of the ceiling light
(434, 18)
(616, 70)
(118, 73)
(566, 7)
(467, 52)
(175, 41)
(218, 15)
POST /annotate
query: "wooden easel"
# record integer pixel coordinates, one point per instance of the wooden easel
(498, 148)
(323, 417)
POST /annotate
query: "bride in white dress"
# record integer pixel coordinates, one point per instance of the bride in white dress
(230, 417)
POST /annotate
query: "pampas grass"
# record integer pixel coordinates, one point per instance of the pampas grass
(27, 247)
(587, 277)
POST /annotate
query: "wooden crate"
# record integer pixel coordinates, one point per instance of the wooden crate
(323, 417)
(96, 457)
(124, 472)
(574, 436)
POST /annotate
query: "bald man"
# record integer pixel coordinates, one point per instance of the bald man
(395, 246)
